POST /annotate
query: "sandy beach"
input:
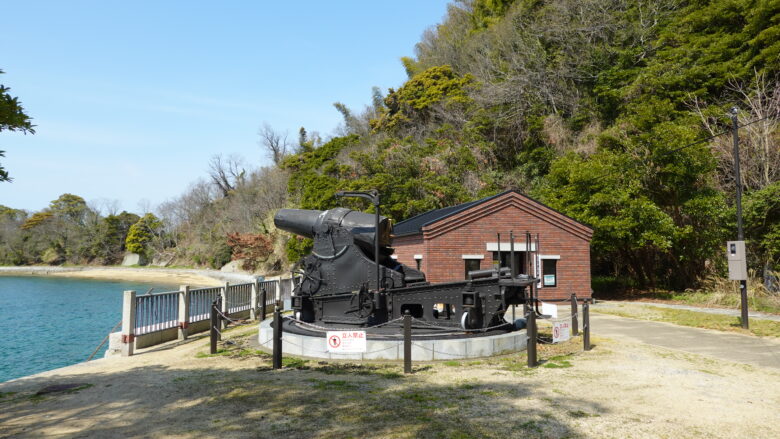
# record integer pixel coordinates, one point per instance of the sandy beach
(195, 278)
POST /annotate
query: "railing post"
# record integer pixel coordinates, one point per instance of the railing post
(128, 323)
(277, 345)
(184, 311)
(586, 325)
(407, 342)
(224, 308)
(253, 300)
(214, 332)
(264, 299)
(531, 334)
(574, 322)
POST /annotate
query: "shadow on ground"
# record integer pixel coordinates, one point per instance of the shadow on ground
(327, 401)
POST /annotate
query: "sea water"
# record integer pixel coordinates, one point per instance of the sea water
(51, 322)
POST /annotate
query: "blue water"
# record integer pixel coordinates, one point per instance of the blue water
(51, 322)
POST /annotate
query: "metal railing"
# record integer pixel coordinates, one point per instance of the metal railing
(270, 287)
(239, 297)
(156, 312)
(200, 303)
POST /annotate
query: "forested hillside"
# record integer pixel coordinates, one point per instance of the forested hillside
(594, 107)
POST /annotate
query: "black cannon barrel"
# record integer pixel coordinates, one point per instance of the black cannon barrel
(361, 225)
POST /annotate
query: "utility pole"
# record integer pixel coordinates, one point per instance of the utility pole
(740, 231)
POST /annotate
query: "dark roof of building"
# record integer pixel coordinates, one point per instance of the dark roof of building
(414, 225)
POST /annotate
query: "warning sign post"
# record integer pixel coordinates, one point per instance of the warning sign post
(561, 331)
(346, 342)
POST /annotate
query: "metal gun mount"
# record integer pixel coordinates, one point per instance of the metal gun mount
(351, 279)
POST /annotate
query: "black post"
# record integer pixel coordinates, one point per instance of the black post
(407, 342)
(264, 297)
(586, 325)
(574, 322)
(512, 264)
(277, 335)
(531, 335)
(213, 332)
(740, 231)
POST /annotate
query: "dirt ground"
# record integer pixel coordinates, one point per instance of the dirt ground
(619, 389)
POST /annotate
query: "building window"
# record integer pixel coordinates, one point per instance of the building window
(471, 265)
(549, 273)
(419, 264)
(503, 259)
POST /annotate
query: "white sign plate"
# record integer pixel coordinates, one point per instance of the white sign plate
(561, 331)
(346, 342)
(550, 309)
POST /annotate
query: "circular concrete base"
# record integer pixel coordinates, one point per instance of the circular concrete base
(422, 350)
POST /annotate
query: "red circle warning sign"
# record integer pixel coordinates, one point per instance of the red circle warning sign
(556, 332)
(334, 341)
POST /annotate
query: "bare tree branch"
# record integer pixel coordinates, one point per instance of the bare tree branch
(275, 143)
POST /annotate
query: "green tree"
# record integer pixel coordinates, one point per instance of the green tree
(12, 118)
(141, 234)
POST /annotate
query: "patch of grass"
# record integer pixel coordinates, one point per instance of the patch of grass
(558, 362)
(294, 363)
(219, 353)
(4, 395)
(387, 371)
(695, 319)
(582, 414)
(452, 363)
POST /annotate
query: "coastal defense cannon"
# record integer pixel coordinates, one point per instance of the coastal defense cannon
(351, 278)
(308, 223)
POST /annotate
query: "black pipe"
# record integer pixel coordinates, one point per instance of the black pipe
(512, 253)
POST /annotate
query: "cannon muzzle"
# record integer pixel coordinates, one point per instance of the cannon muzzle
(361, 225)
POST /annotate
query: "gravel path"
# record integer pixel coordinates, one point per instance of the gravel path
(739, 348)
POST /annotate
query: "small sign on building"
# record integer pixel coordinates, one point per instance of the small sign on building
(561, 331)
(346, 342)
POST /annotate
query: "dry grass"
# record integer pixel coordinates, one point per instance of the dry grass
(719, 291)
(691, 318)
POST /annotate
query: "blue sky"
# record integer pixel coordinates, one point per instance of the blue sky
(131, 99)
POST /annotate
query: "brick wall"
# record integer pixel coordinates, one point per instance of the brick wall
(408, 246)
(444, 243)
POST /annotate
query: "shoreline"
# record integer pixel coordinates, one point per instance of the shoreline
(180, 276)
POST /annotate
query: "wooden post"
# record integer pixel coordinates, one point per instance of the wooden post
(277, 345)
(586, 325)
(531, 334)
(184, 311)
(128, 323)
(407, 342)
(574, 322)
(264, 298)
(253, 300)
(213, 331)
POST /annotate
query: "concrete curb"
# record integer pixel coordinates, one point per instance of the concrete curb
(422, 350)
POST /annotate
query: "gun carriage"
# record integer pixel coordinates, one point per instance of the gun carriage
(350, 278)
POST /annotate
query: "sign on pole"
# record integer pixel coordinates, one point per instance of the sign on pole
(346, 342)
(561, 331)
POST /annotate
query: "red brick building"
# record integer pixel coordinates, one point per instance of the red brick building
(448, 242)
